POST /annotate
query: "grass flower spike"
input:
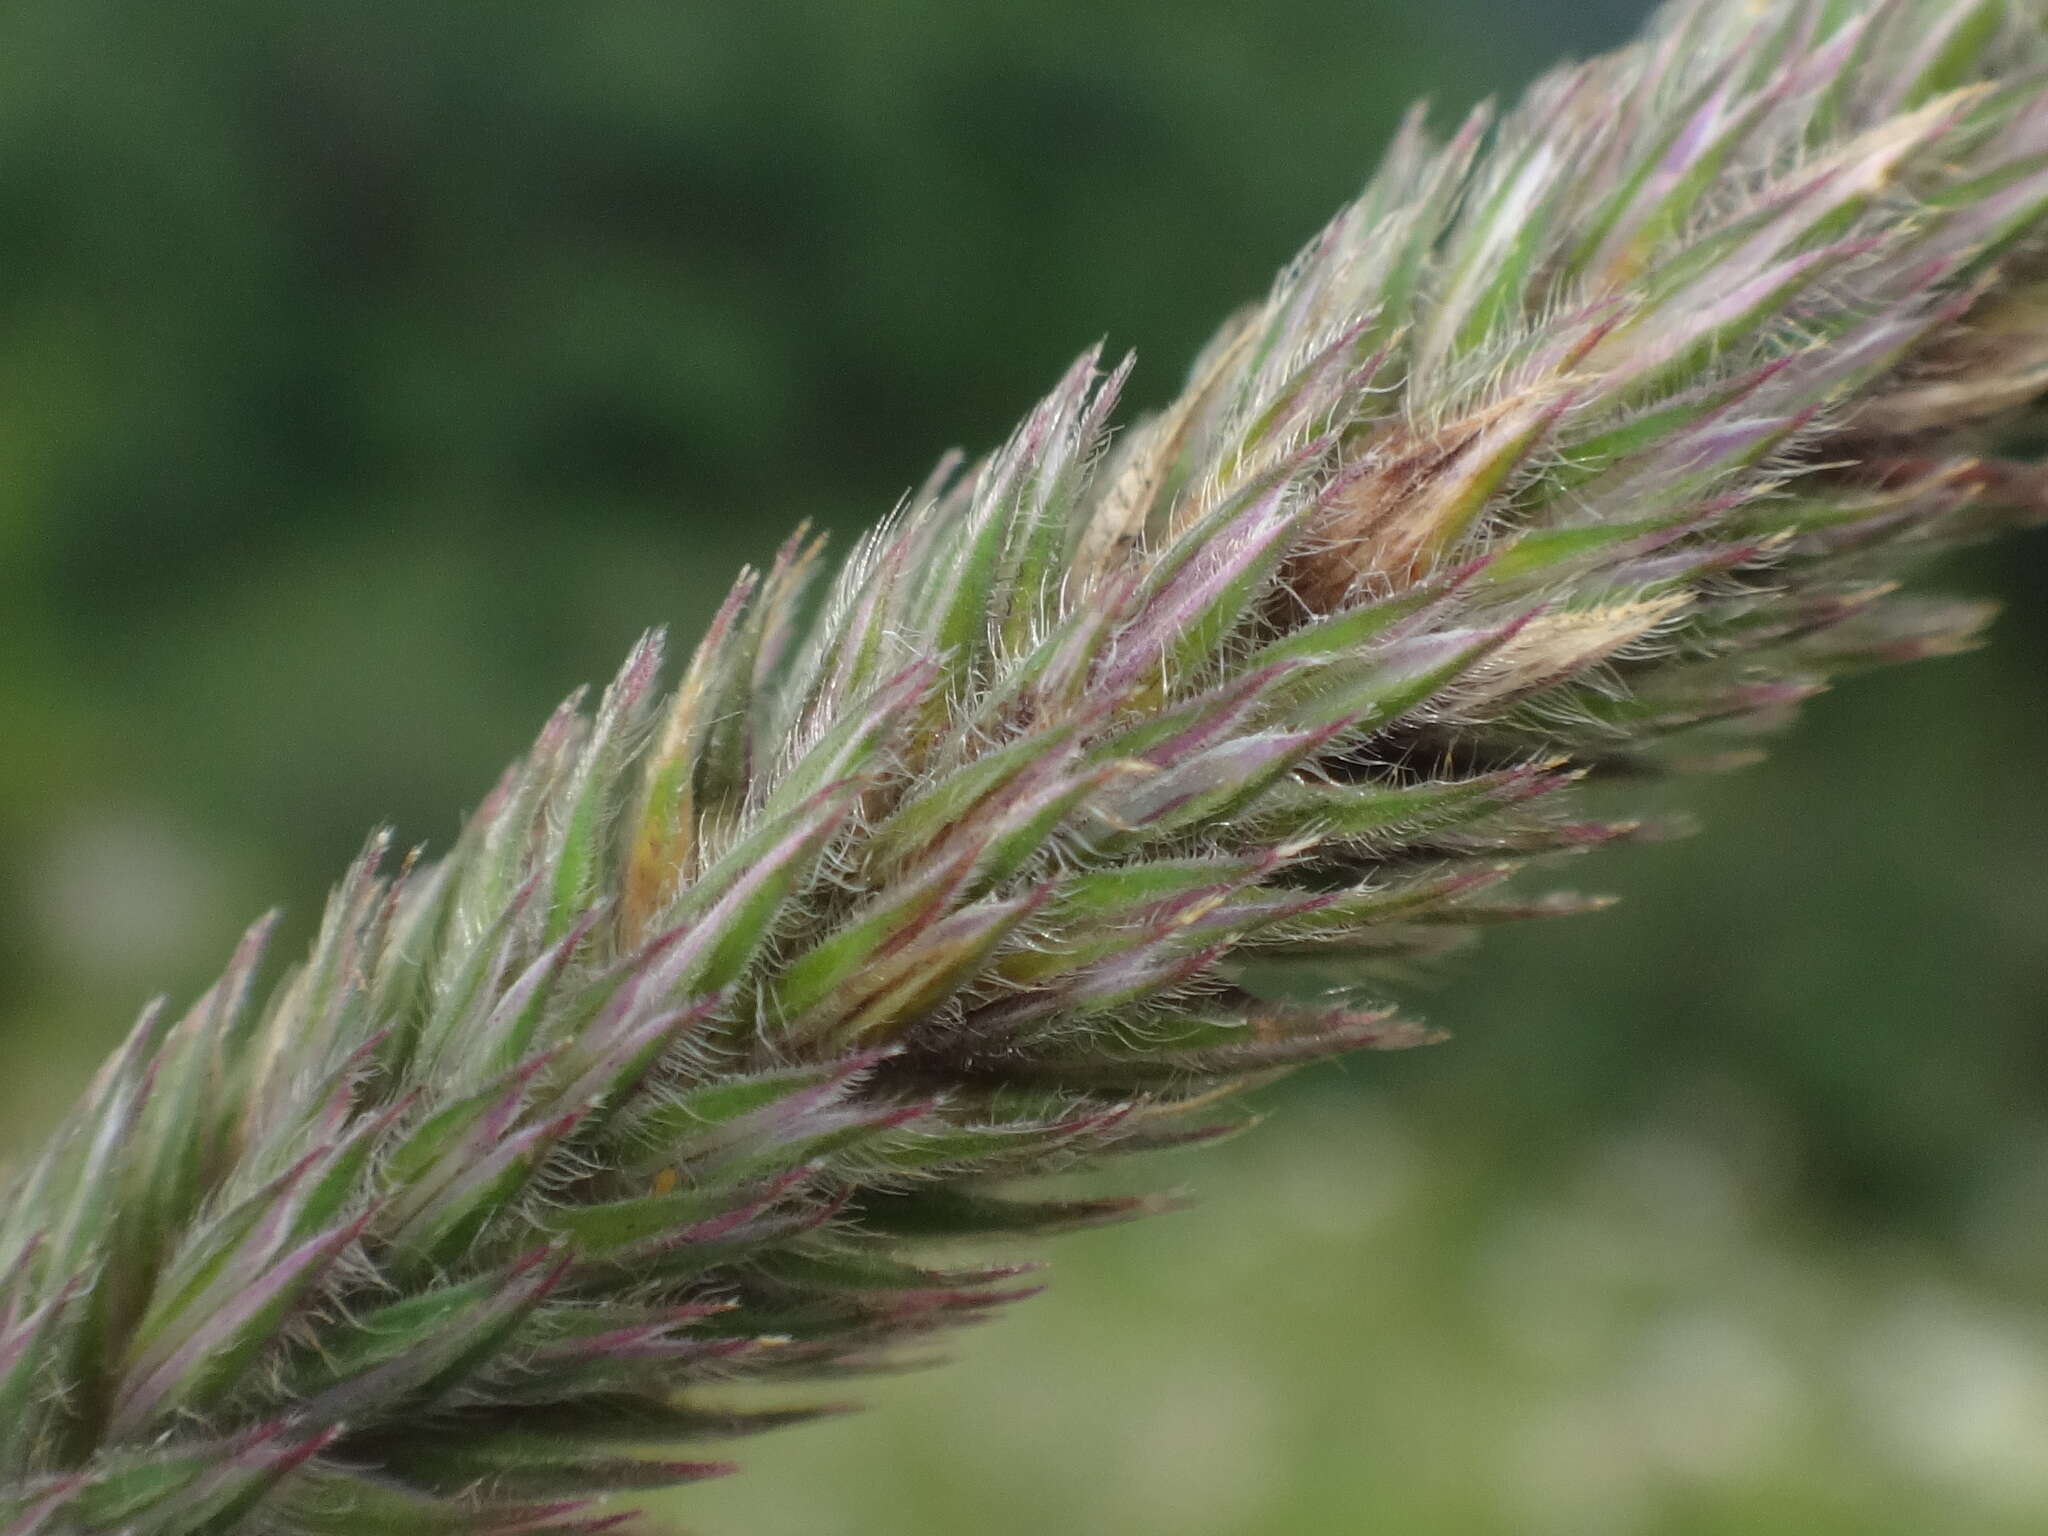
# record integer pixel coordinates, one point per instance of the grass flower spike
(1114, 772)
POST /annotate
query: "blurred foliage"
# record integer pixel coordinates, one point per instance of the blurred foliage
(1354, 1332)
(372, 372)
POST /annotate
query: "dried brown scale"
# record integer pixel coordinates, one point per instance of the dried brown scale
(1118, 773)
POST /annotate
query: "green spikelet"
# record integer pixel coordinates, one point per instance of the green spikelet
(1115, 774)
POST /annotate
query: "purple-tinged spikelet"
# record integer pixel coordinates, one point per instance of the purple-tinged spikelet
(1114, 775)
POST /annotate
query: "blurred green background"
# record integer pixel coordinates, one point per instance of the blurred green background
(372, 372)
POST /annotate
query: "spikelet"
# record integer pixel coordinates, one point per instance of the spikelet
(1116, 774)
